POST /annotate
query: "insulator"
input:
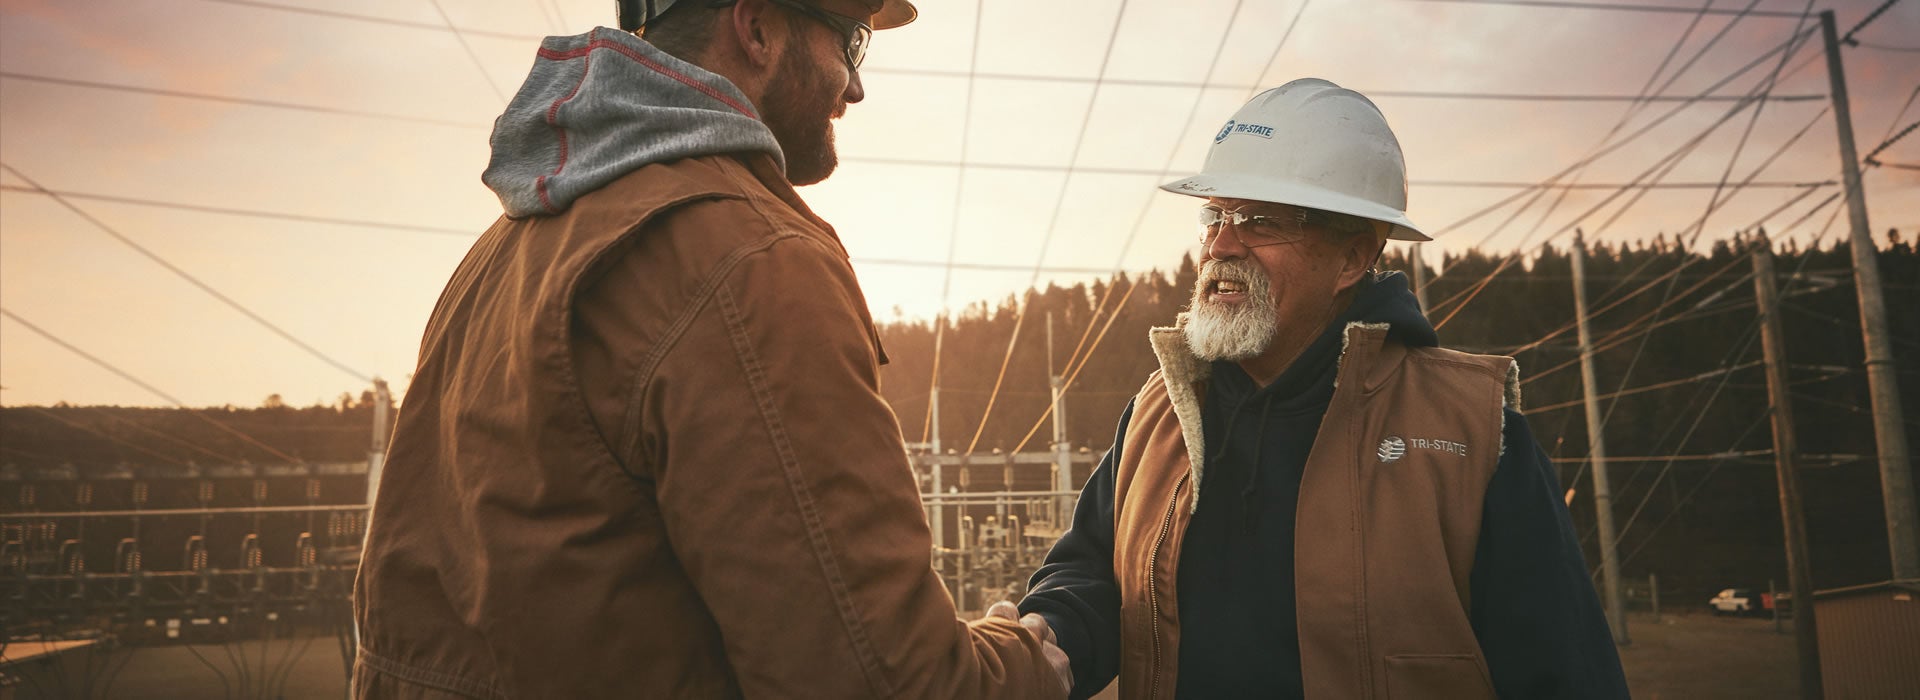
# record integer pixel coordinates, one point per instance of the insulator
(206, 492)
(83, 494)
(139, 493)
(73, 557)
(196, 553)
(27, 495)
(250, 551)
(127, 555)
(259, 490)
(313, 489)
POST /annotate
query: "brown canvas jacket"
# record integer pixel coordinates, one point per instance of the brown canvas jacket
(1385, 534)
(644, 455)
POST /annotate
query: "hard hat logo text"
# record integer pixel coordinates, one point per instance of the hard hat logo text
(1260, 130)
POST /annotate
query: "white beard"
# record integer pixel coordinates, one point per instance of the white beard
(1217, 331)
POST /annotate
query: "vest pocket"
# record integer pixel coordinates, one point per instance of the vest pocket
(1436, 677)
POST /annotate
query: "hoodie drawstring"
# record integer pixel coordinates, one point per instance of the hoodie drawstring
(1250, 506)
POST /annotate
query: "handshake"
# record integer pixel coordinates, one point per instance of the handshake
(1049, 643)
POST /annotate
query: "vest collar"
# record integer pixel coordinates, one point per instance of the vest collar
(1185, 377)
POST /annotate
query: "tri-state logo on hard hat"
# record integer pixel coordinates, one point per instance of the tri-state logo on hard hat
(1234, 127)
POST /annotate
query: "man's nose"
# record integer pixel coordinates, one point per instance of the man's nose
(1226, 246)
(855, 92)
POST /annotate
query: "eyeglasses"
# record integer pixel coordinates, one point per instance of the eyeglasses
(1253, 230)
(856, 32)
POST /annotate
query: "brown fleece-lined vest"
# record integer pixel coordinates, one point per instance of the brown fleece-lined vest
(1388, 518)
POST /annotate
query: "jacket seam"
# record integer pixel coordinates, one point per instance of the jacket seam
(810, 515)
(670, 340)
(438, 680)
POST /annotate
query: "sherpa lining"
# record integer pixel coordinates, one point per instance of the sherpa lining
(1180, 370)
(1346, 339)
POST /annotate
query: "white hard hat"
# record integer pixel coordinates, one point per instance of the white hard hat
(1309, 143)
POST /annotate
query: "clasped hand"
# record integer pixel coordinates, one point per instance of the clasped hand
(1049, 643)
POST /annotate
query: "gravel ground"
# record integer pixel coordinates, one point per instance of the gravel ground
(1695, 657)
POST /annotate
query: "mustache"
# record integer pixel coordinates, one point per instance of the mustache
(1243, 271)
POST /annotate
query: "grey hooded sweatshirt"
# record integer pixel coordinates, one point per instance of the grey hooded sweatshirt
(583, 119)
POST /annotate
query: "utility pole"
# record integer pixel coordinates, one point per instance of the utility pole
(939, 519)
(1896, 473)
(1799, 575)
(1062, 452)
(1419, 277)
(1597, 448)
(382, 430)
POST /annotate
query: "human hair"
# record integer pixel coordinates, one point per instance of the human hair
(685, 29)
(1343, 228)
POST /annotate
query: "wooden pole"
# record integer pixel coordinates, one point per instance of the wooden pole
(1597, 453)
(1785, 446)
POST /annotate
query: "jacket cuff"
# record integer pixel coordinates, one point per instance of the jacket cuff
(1072, 638)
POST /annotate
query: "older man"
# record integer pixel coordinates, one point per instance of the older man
(1311, 499)
(645, 454)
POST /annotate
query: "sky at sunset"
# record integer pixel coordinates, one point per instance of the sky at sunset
(356, 130)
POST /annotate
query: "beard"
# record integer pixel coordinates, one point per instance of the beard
(1233, 332)
(800, 111)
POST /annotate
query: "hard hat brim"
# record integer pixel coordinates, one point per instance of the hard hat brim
(1299, 195)
(894, 13)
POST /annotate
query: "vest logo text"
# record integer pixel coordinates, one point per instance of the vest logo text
(1393, 448)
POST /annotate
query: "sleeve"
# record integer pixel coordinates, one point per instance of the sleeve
(785, 493)
(1074, 588)
(1535, 612)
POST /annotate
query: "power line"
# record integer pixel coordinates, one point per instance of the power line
(230, 211)
(195, 281)
(1704, 376)
(1163, 172)
(1579, 168)
(983, 267)
(1210, 85)
(1075, 360)
(1864, 21)
(110, 438)
(123, 374)
(1020, 314)
(1889, 142)
(1670, 160)
(371, 19)
(1751, 335)
(247, 101)
(953, 224)
(1643, 130)
(1614, 7)
(1620, 335)
(1670, 458)
(485, 76)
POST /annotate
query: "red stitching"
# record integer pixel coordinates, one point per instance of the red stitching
(553, 116)
(570, 54)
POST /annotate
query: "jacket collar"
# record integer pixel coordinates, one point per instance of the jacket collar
(1185, 377)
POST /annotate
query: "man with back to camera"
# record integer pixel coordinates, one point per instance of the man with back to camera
(1310, 498)
(644, 454)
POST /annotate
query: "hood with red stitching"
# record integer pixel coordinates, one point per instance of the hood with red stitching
(602, 104)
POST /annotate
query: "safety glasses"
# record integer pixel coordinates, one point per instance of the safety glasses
(857, 34)
(1253, 230)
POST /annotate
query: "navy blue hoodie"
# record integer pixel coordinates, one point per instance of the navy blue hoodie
(1534, 611)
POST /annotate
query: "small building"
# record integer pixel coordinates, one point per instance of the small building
(1870, 640)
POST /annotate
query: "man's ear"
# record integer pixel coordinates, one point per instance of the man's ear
(1357, 260)
(752, 24)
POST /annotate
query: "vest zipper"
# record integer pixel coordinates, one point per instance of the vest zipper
(1153, 581)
